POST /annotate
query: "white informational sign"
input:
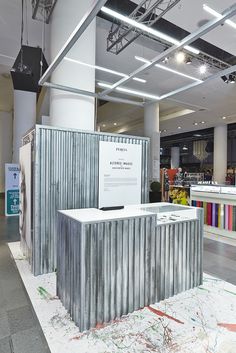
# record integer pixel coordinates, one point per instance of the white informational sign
(119, 174)
(12, 189)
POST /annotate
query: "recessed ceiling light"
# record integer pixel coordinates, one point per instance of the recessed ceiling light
(163, 67)
(218, 15)
(115, 124)
(103, 125)
(203, 69)
(195, 124)
(197, 135)
(130, 91)
(147, 29)
(179, 127)
(165, 61)
(185, 148)
(139, 80)
(180, 57)
(224, 117)
(203, 122)
(100, 68)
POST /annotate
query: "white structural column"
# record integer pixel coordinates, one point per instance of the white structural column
(68, 109)
(175, 157)
(24, 118)
(220, 153)
(151, 129)
(5, 144)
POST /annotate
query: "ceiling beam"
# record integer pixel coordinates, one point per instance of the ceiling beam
(91, 94)
(76, 34)
(210, 78)
(231, 11)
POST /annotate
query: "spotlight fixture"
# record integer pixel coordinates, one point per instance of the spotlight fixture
(195, 124)
(165, 61)
(231, 79)
(166, 68)
(115, 124)
(103, 125)
(203, 122)
(179, 127)
(224, 117)
(225, 79)
(188, 61)
(180, 57)
(203, 69)
(185, 148)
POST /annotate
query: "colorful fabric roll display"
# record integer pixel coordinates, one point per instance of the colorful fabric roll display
(218, 215)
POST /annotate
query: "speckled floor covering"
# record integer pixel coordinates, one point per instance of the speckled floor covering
(198, 320)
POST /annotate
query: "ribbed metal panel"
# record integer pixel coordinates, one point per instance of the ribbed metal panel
(109, 269)
(66, 177)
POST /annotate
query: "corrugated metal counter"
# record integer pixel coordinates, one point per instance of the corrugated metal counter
(112, 263)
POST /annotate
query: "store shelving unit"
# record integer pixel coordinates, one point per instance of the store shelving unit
(219, 203)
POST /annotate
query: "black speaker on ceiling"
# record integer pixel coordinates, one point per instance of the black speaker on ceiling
(30, 64)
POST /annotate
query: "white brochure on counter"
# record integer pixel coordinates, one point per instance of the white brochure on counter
(120, 166)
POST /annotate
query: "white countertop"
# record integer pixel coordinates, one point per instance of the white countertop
(93, 215)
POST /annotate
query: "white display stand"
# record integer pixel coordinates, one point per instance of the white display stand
(223, 199)
(12, 189)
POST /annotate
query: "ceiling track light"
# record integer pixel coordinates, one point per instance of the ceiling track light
(146, 29)
(230, 79)
(139, 80)
(130, 91)
(218, 15)
(99, 68)
(164, 67)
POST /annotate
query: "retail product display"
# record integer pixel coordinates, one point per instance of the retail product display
(176, 185)
(219, 204)
(127, 259)
(65, 169)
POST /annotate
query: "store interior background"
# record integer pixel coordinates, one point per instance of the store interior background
(186, 116)
(192, 126)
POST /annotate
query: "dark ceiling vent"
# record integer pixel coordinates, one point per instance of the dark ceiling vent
(27, 69)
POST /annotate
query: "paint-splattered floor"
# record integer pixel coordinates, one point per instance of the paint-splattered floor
(196, 321)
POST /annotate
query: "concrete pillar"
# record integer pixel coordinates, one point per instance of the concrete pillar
(5, 144)
(24, 118)
(175, 157)
(151, 129)
(68, 109)
(220, 153)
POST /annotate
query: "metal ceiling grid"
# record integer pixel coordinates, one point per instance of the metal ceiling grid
(147, 12)
(88, 18)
